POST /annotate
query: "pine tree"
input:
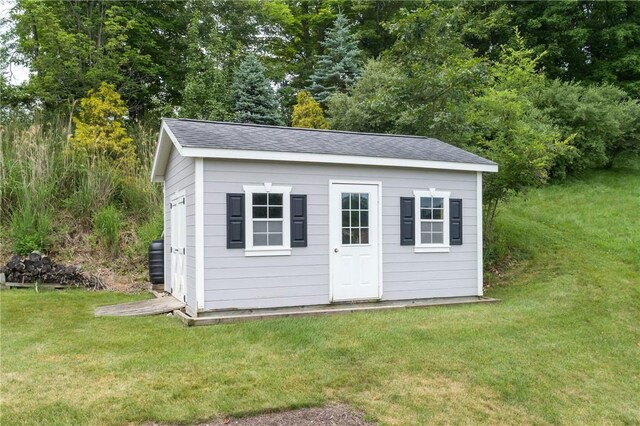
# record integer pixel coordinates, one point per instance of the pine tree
(254, 99)
(307, 113)
(339, 67)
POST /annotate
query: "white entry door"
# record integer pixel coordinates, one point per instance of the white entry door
(354, 241)
(178, 246)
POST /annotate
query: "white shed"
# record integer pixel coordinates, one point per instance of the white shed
(265, 217)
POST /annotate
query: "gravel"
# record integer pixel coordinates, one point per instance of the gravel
(330, 415)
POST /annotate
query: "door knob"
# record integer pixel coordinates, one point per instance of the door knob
(336, 250)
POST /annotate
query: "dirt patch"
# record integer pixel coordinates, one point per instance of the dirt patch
(331, 415)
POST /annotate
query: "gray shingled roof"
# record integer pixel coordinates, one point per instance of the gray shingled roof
(253, 137)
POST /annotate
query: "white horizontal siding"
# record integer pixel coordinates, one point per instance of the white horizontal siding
(235, 281)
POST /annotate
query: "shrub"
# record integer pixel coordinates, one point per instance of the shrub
(30, 228)
(150, 230)
(107, 224)
(602, 119)
(307, 113)
(93, 190)
(100, 127)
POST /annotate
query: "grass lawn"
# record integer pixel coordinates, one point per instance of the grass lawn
(563, 346)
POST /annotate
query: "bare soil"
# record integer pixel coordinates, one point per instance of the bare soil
(330, 415)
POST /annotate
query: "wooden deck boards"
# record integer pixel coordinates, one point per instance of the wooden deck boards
(155, 306)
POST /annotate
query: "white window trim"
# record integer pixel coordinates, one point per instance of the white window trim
(432, 248)
(285, 248)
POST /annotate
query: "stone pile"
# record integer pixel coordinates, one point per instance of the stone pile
(40, 268)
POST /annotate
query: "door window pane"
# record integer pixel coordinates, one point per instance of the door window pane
(364, 201)
(355, 201)
(355, 218)
(345, 219)
(364, 235)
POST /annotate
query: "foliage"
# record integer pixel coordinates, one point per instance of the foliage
(106, 224)
(419, 84)
(308, 113)
(149, 231)
(339, 67)
(31, 227)
(572, 306)
(507, 128)
(254, 99)
(585, 41)
(206, 94)
(100, 127)
(49, 195)
(602, 119)
(70, 47)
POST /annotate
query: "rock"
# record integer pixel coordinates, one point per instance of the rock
(46, 260)
(35, 256)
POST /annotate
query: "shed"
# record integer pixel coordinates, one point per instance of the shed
(266, 217)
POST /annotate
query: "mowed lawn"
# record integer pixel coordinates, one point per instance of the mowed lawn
(563, 346)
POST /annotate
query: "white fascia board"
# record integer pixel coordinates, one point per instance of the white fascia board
(163, 149)
(238, 154)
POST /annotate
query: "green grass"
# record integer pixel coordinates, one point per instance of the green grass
(563, 346)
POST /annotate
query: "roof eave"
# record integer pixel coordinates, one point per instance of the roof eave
(166, 139)
(238, 154)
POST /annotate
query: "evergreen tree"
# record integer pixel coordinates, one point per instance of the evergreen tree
(253, 98)
(307, 113)
(339, 67)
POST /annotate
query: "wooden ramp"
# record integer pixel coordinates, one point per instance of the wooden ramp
(155, 306)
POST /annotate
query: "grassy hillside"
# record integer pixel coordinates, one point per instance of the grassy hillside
(78, 207)
(562, 346)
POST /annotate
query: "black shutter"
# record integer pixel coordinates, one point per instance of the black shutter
(407, 221)
(298, 220)
(235, 221)
(455, 222)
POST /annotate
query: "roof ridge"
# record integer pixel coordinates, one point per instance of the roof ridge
(305, 129)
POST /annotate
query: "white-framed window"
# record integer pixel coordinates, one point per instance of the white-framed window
(267, 220)
(432, 221)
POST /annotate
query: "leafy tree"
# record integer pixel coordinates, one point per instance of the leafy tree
(505, 126)
(308, 113)
(602, 119)
(418, 86)
(338, 68)
(71, 47)
(375, 104)
(253, 98)
(100, 127)
(595, 42)
(206, 93)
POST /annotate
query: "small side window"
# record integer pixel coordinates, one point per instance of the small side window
(432, 221)
(267, 224)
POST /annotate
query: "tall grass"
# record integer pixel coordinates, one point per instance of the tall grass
(44, 184)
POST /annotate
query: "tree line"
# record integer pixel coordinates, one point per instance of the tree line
(546, 89)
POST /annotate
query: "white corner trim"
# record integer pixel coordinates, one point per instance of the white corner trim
(239, 154)
(479, 213)
(199, 230)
